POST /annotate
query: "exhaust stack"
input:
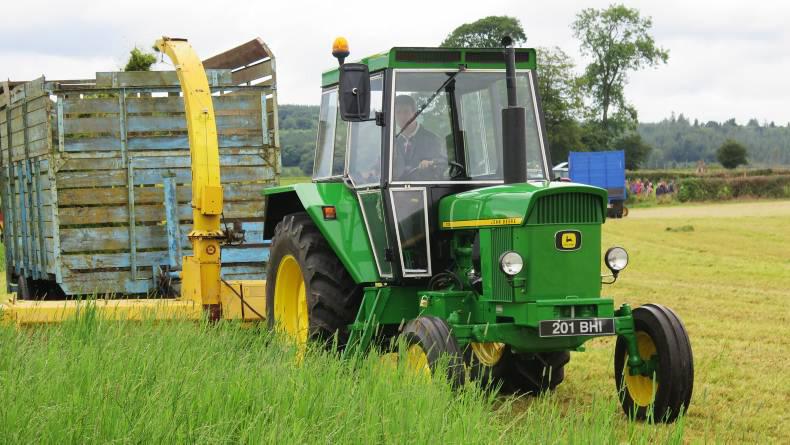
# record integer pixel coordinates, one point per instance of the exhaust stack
(514, 119)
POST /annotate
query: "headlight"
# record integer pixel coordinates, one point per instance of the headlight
(616, 259)
(511, 263)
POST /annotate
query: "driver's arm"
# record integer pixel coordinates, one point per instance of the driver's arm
(434, 154)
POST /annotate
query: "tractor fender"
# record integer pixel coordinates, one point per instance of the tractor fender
(346, 234)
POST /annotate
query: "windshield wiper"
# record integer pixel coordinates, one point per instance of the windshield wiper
(430, 99)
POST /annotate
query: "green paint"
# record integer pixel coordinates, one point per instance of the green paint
(346, 234)
(507, 201)
(433, 58)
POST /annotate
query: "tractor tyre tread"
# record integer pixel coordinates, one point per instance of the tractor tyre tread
(332, 296)
(437, 340)
(675, 370)
(686, 359)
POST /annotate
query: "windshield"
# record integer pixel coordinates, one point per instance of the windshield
(456, 135)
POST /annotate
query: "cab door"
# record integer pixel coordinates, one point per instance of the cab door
(364, 175)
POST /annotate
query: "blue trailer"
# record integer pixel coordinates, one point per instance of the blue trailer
(95, 177)
(605, 169)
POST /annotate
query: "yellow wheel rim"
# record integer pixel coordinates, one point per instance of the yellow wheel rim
(290, 300)
(488, 353)
(641, 388)
(417, 360)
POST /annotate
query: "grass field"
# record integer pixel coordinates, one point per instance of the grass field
(288, 180)
(725, 272)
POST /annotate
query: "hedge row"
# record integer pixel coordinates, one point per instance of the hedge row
(720, 189)
(657, 175)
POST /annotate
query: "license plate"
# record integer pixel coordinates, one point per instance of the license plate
(576, 326)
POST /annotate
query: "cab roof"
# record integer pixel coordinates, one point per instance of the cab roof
(442, 58)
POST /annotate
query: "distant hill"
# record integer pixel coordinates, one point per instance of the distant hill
(298, 131)
(679, 141)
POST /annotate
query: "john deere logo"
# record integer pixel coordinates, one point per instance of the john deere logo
(568, 240)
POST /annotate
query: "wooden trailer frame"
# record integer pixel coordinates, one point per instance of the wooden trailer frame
(95, 174)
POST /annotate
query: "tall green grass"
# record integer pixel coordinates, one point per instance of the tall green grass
(93, 381)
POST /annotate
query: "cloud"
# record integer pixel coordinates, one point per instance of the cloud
(727, 58)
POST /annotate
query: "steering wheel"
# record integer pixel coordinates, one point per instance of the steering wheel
(455, 169)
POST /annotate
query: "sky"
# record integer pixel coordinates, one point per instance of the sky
(726, 58)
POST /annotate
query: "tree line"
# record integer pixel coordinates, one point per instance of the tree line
(678, 141)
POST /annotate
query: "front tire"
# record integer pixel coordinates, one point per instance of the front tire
(660, 397)
(518, 373)
(427, 341)
(309, 293)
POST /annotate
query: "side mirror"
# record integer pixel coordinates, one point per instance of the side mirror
(354, 92)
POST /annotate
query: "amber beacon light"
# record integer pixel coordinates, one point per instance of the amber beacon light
(340, 49)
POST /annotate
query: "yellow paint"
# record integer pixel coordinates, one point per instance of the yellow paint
(211, 200)
(201, 273)
(569, 240)
(254, 293)
(389, 360)
(481, 223)
(42, 312)
(417, 360)
(488, 353)
(642, 389)
(290, 301)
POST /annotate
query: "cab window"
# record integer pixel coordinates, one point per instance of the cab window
(365, 151)
(326, 135)
(332, 135)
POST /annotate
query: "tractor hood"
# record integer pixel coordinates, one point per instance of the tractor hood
(511, 204)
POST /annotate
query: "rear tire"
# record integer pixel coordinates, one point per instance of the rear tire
(329, 297)
(660, 397)
(428, 339)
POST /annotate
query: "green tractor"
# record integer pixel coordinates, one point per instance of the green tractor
(433, 218)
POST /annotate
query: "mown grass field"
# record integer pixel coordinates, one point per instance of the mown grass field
(288, 180)
(728, 278)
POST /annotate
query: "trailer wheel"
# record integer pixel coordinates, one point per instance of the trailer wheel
(660, 397)
(23, 288)
(309, 293)
(430, 344)
(520, 373)
(625, 212)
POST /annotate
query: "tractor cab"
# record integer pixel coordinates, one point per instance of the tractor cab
(433, 128)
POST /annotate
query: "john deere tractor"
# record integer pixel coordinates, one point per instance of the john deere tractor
(433, 217)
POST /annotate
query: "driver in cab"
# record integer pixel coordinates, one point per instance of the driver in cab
(418, 151)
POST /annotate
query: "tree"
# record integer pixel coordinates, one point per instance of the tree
(636, 150)
(485, 33)
(139, 61)
(561, 97)
(618, 41)
(731, 154)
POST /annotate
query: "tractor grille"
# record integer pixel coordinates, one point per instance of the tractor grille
(567, 208)
(501, 241)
